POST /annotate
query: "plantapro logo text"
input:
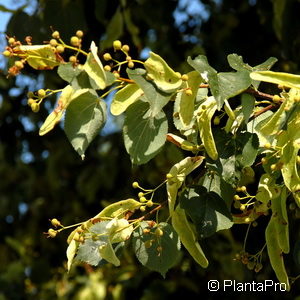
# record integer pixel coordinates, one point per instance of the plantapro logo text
(267, 285)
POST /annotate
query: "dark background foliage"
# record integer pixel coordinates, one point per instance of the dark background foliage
(43, 177)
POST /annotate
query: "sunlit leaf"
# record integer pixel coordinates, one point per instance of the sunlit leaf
(94, 67)
(124, 98)
(54, 117)
(163, 76)
(40, 57)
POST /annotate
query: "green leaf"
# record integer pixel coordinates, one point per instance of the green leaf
(157, 99)
(163, 76)
(249, 144)
(207, 210)
(275, 253)
(85, 116)
(94, 67)
(214, 183)
(187, 102)
(285, 79)
(188, 237)
(83, 81)
(54, 117)
(236, 62)
(144, 135)
(156, 252)
(222, 85)
(124, 98)
(39, 57)
(68, 72)
(248, 104)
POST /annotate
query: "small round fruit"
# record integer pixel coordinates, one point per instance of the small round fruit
(142, 208)
(107, 68)
(276, 98)
(53, 42)
(35, 107)
(41, 93)
(11, 41)
(143, 199)
(188, 92)
(55, 222)
(141, 194)
(158, 232)
(243, 207)
(236, 197)
(243, 189)
(273, 167)
(60, 48)
(149, 203)
(117, 45)
(30, 101)
(169, 176)
(125, 48)
(55, 35)
(135, 184)
(268, 146)
(258, 267)
(185, 77)
(74, 41)
(128, 58)
(216, 120)
(251, 265)
(117, 75)
(264, 160)
(52, 233)
(79, 33)
(6, 53)
(130, 64)
(72, 59)
(148, 244)
(107, 56)
(19, 64)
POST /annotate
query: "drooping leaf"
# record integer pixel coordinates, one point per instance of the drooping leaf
(144, 134)
(163, 76)
(188, 236)
(94, 67)
(124, 98)
(207, 210)
(71, 252)
(39, 57)
(85, 116)
(248, 143)
(275, 253)
(54, 117)
(158, 252)
(204, 116)
(187, 102)
(248, 104)
(156, 98)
